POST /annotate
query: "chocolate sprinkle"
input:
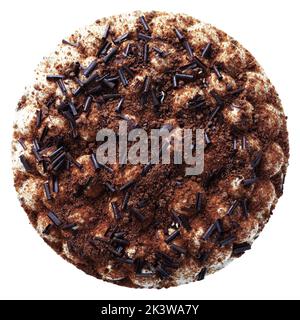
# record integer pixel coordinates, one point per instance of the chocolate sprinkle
(162, 272)
(119, 105)
(178, 249)
(94, 161)
(62, 86)
(240, 248)
(257, 160)
(105, 46)
(110, 55)
(206, 53)
(54, 77)
(54, 218)
(127, 185)
(127, 50)
(137, 214)
(143, 36)
(227, 241)
(123, 77)
(219, 225)
(198, 202)
(184, 222)
(47, 230)
(122, 242)
(55, 186)
(146, 53)
(70, 226)
(69, 43)
(139, 264)
(39, 116)
(87, 104)
(124, 260)
(25, 163)
(47, 190)
(106, 32)
(22, 143)
(201, 275)
(231, 210)
(206, 139)
(91, 67)
(200, 64)
(179, 35)
(36, 145)
(217, 72)
(125, 201)
(203, 256)
(175, 84)
(249, 182)
(110, 187)
(172, 236)
(209, 232)
(56, 153)
(188, 48)
(183, 76)
(122, 38)
(144, 23)
(116, 211)
(160, 52)
(73, 108)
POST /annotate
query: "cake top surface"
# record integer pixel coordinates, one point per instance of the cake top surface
(137, 225)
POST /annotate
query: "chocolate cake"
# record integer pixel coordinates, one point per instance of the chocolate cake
(149, 225)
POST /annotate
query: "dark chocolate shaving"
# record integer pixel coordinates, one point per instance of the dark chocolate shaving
(110, 187)
(160, 52)
(127, 185)
(116, 211)
(125, 201)
(244, 203)
(123, 77)
(87, 104)
(90, 68)
(249, 182)
(118, 108)
(47, 230)
(62, 86)
(54, 218)
(206, 53)
(198, 204)
(172, 236)
(178, 249)
(232, 208)
(22, 143)
(144, 37)
(137, 214)
(184, 222)
(227, 241)
(201, 275)
(47, 190)
(39, 116)
(110, 55)
(25, 163)
(146, 53)
(209, 232)
(240, 248)
(144, 23)
(122, 38)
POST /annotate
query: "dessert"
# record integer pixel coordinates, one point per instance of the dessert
(149, 226)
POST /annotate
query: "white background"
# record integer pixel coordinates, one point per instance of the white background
(30, 29)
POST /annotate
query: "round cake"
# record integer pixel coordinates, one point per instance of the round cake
(149, 226)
